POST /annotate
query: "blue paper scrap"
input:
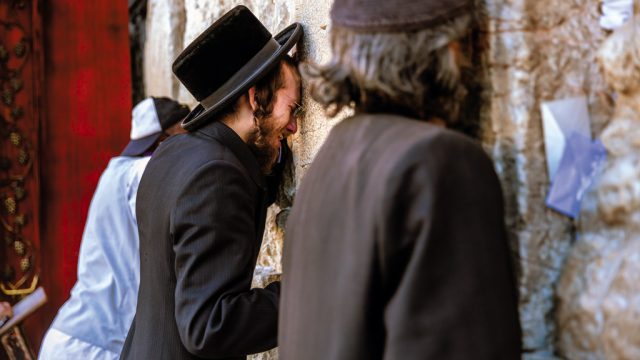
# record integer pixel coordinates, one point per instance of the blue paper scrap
(581, 162)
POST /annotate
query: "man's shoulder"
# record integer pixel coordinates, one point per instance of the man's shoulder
(404, 137)
(191, 151)
(411, 146)
(415, 129)
(186, 143)
(182, 157)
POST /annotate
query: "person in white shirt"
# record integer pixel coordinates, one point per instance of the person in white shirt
(93, 323)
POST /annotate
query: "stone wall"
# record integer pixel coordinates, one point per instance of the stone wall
(533, 51)
(537, 51)
(599, 292)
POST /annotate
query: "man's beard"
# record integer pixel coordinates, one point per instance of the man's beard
(261, 143)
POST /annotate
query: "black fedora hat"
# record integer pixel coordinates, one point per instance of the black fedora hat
(227, 59)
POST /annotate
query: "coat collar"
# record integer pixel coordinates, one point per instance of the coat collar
(230, 139)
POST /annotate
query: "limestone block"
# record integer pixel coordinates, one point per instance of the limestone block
(268, 355)
(314, 16)
(599, 292)
(599, 307)
(619, 192)
(164, 29)
(538, 51)
(264, 275)
(271, 249)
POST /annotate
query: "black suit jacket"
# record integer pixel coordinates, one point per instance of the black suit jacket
(396, 249)
(201, 210)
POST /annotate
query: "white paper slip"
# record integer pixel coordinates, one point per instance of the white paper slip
(559, 119)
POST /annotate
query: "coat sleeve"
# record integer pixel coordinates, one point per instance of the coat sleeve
(445, 261)
(213, 229)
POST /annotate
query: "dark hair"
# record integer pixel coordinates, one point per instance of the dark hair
(410, 73)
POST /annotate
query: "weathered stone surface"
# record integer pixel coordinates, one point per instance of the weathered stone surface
(269, 355)
(165, 26)
(538, 51)
(599, 293)
(314, 16)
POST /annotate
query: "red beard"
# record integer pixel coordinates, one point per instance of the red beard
(262, 143)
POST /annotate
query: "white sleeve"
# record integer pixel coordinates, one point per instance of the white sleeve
(137, 169)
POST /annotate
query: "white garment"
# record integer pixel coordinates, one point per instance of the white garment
(103, 300)
(60, 346)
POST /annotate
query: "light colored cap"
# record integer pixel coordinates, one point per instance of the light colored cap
(144, 120)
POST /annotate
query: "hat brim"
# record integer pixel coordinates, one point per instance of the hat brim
(140, 146)
(287, 39)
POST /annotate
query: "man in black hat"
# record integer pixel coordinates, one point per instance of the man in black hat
(203, 198)
(396, 246)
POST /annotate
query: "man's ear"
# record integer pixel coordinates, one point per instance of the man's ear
(252, 98)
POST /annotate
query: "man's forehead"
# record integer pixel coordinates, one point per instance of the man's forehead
(293, 80)
(292, 71)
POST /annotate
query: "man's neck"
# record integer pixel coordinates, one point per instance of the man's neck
(241, 122)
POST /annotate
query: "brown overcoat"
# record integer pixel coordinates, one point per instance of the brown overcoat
(396, 249)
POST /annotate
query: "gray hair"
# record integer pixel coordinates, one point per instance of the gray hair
(409, 73)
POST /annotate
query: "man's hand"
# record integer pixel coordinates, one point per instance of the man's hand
(6, 312)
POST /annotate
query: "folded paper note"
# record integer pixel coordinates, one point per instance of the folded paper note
(559, 119)
(581, 162)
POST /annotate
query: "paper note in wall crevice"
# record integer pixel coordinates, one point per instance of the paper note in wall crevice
(580, 165)
(561, 118)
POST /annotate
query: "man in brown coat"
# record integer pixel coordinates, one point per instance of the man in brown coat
(396, 246)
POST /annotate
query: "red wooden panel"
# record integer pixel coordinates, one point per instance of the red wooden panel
(86, 121)
(19, 125)
(21, 84)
